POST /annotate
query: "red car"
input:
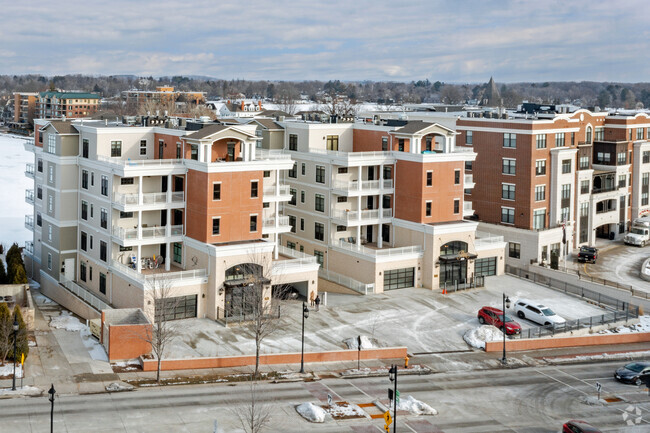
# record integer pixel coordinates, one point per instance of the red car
(493, 316)
(577, 426)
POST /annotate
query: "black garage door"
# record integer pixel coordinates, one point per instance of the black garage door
(485, 267)
(399, 278)
(181, 307)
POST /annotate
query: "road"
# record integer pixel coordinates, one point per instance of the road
(621, 263)
(510, 400)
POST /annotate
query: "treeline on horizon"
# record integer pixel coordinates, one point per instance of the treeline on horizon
(584, 93)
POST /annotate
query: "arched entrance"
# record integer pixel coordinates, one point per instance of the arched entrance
(453, 263)
(244, 288)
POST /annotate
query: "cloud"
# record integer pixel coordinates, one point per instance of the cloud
(514, 40)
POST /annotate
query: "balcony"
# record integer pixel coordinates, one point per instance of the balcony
(269, 225)
(29, 170)
(467, 209)
(156, 200)
(368, 216)
(29, 196)
(150, 277)
(365, 187)
(276, 193)
(469, 181)
(29, 222)
(381, 254)
(133, 235)
(485, 241)
(29, 248)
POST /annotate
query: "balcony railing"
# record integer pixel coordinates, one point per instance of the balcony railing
(29, 222)
(270, 222)
(354, 185)
(147, 232)
(29, 170)
(469, 180)
(387, 252)
(139, 162)
(487, 240)
(29, 248)
(364, 215)
(152, 278)
(84, 294)
(351, 283)
(271, 154)
(29, 196)
(282, 190)
(148, 198)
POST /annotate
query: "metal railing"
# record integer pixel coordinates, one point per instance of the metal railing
(350, 283)
(84, 294)
(487, 240)
(270, 222)
(29, 196)
(574, 325)
(352, 155)
(294, 254)
(147, 232)
(456, 285)
(29, 248)
(243, 313)
(282, 190)
(29, 222)
(148, 198)
(388, 252)
(29, 170)
(353, 185)
(468, 179)
(144, 278)
(261, 154)
(139, 162)
(369, 214)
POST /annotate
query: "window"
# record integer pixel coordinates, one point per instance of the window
(84, 148)
(507, 215)
(584, 209)
(507, 191)
(178, 151)
(457, 206)
(584, 187)
(509, 140)
(82, 271)
(514, 250)
(583, 163)
(39, 165)
(565, 213)
(39, 220)
(84, 241)
(194, 152)
(384, 144)
(540, 167)
(320, 257)
(39, 192)
(456, 177)
(427, 207)
(566, 166)
(559, 139)
(589, 134)
(333, 142)
(216, 226)
(103, 218)
(126, 181)
(400, 145)
(293, 171)
(253, 223)
(49, 232)
(644, 199)
(566, 191)
(621, 158)
(92, 210)
(599, 133)
(639, 133)
(469, 137)
(102, 251)
(540, 192)
(603, 157)
(216, 191)
(320, 174)
(645, 177)
(49, 261)
(539, 219)
(319, 203)
(50, 169)
(102, 283)
(319, 231)
(622, 180)
(646, 156)
(302, 224)
(116, 149)
(291, 245)
(84, 210)
(341, 228)
(469, 165)
(302, 196)
(540, 139)
(293, 142)
(303, 168)
(508, 166)
(51, 143)
(178, 252)
(292, 223)
(429, 178)
(91, 242)
(342, 170)
(267, 173)
(104, 186)
(143, 147)
(84, 179)
(293, 193)
(254, 189)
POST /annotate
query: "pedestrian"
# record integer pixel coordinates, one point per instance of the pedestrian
(317, 301)
(311, 298)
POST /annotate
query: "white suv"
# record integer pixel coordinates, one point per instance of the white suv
(537, 313)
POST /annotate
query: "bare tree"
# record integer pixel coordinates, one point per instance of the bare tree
(285, 97)
(340, 107)
(254, 416)
(162, 332)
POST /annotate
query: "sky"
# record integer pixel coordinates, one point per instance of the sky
(452, 41)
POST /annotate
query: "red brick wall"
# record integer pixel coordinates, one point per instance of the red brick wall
(128, 341)
(550, 343)
(369, 141)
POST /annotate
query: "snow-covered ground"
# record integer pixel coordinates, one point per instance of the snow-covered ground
(70, 323)
(12, 194)
(478, 336)
(642, 326)
(25, 390)
(415, 406)
(8, 369)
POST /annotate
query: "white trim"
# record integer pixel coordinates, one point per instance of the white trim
(497, 129)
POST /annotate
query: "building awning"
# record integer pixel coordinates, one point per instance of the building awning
(243, 282)
(457, 257)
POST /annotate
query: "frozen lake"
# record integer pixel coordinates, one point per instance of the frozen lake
(13, 184)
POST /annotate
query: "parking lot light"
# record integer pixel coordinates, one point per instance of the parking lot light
(506, 304)
(305, 315)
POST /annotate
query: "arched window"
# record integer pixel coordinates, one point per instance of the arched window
(453, 248)
(244, 270)
(588, 134)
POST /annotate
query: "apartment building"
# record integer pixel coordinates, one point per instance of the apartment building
(121, 210)
(55, 104)
(162, 95)
(382, 207)
(25, 107)
(545, 178)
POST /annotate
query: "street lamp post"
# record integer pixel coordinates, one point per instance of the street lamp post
(506, 303)
(13, 385)
(52, 392)
(392, 375)
(305, 315)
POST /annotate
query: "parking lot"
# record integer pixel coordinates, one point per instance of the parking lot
(423, 320)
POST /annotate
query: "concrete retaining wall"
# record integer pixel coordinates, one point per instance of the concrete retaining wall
(274, 358)
(53, 290)
(558, 342)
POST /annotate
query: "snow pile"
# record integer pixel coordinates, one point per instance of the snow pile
(602, 356)
(415, 406)
(41, 299)
(478, 336)
(68, 322)
(311, 412)
(25, 390)
(116, 387)
(642, 326)
(7, 370)
(345, 410)
(95, 349)
(366, 343)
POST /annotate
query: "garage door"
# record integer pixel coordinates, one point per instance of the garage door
(485, 267)
(399, 278)
(181, 307)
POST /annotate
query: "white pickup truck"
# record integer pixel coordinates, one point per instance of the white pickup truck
(639, 234)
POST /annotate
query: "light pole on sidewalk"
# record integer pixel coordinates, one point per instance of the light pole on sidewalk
(52, 392)
(392, 375)
(13, 385)
(506, 303)
(305, 315)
